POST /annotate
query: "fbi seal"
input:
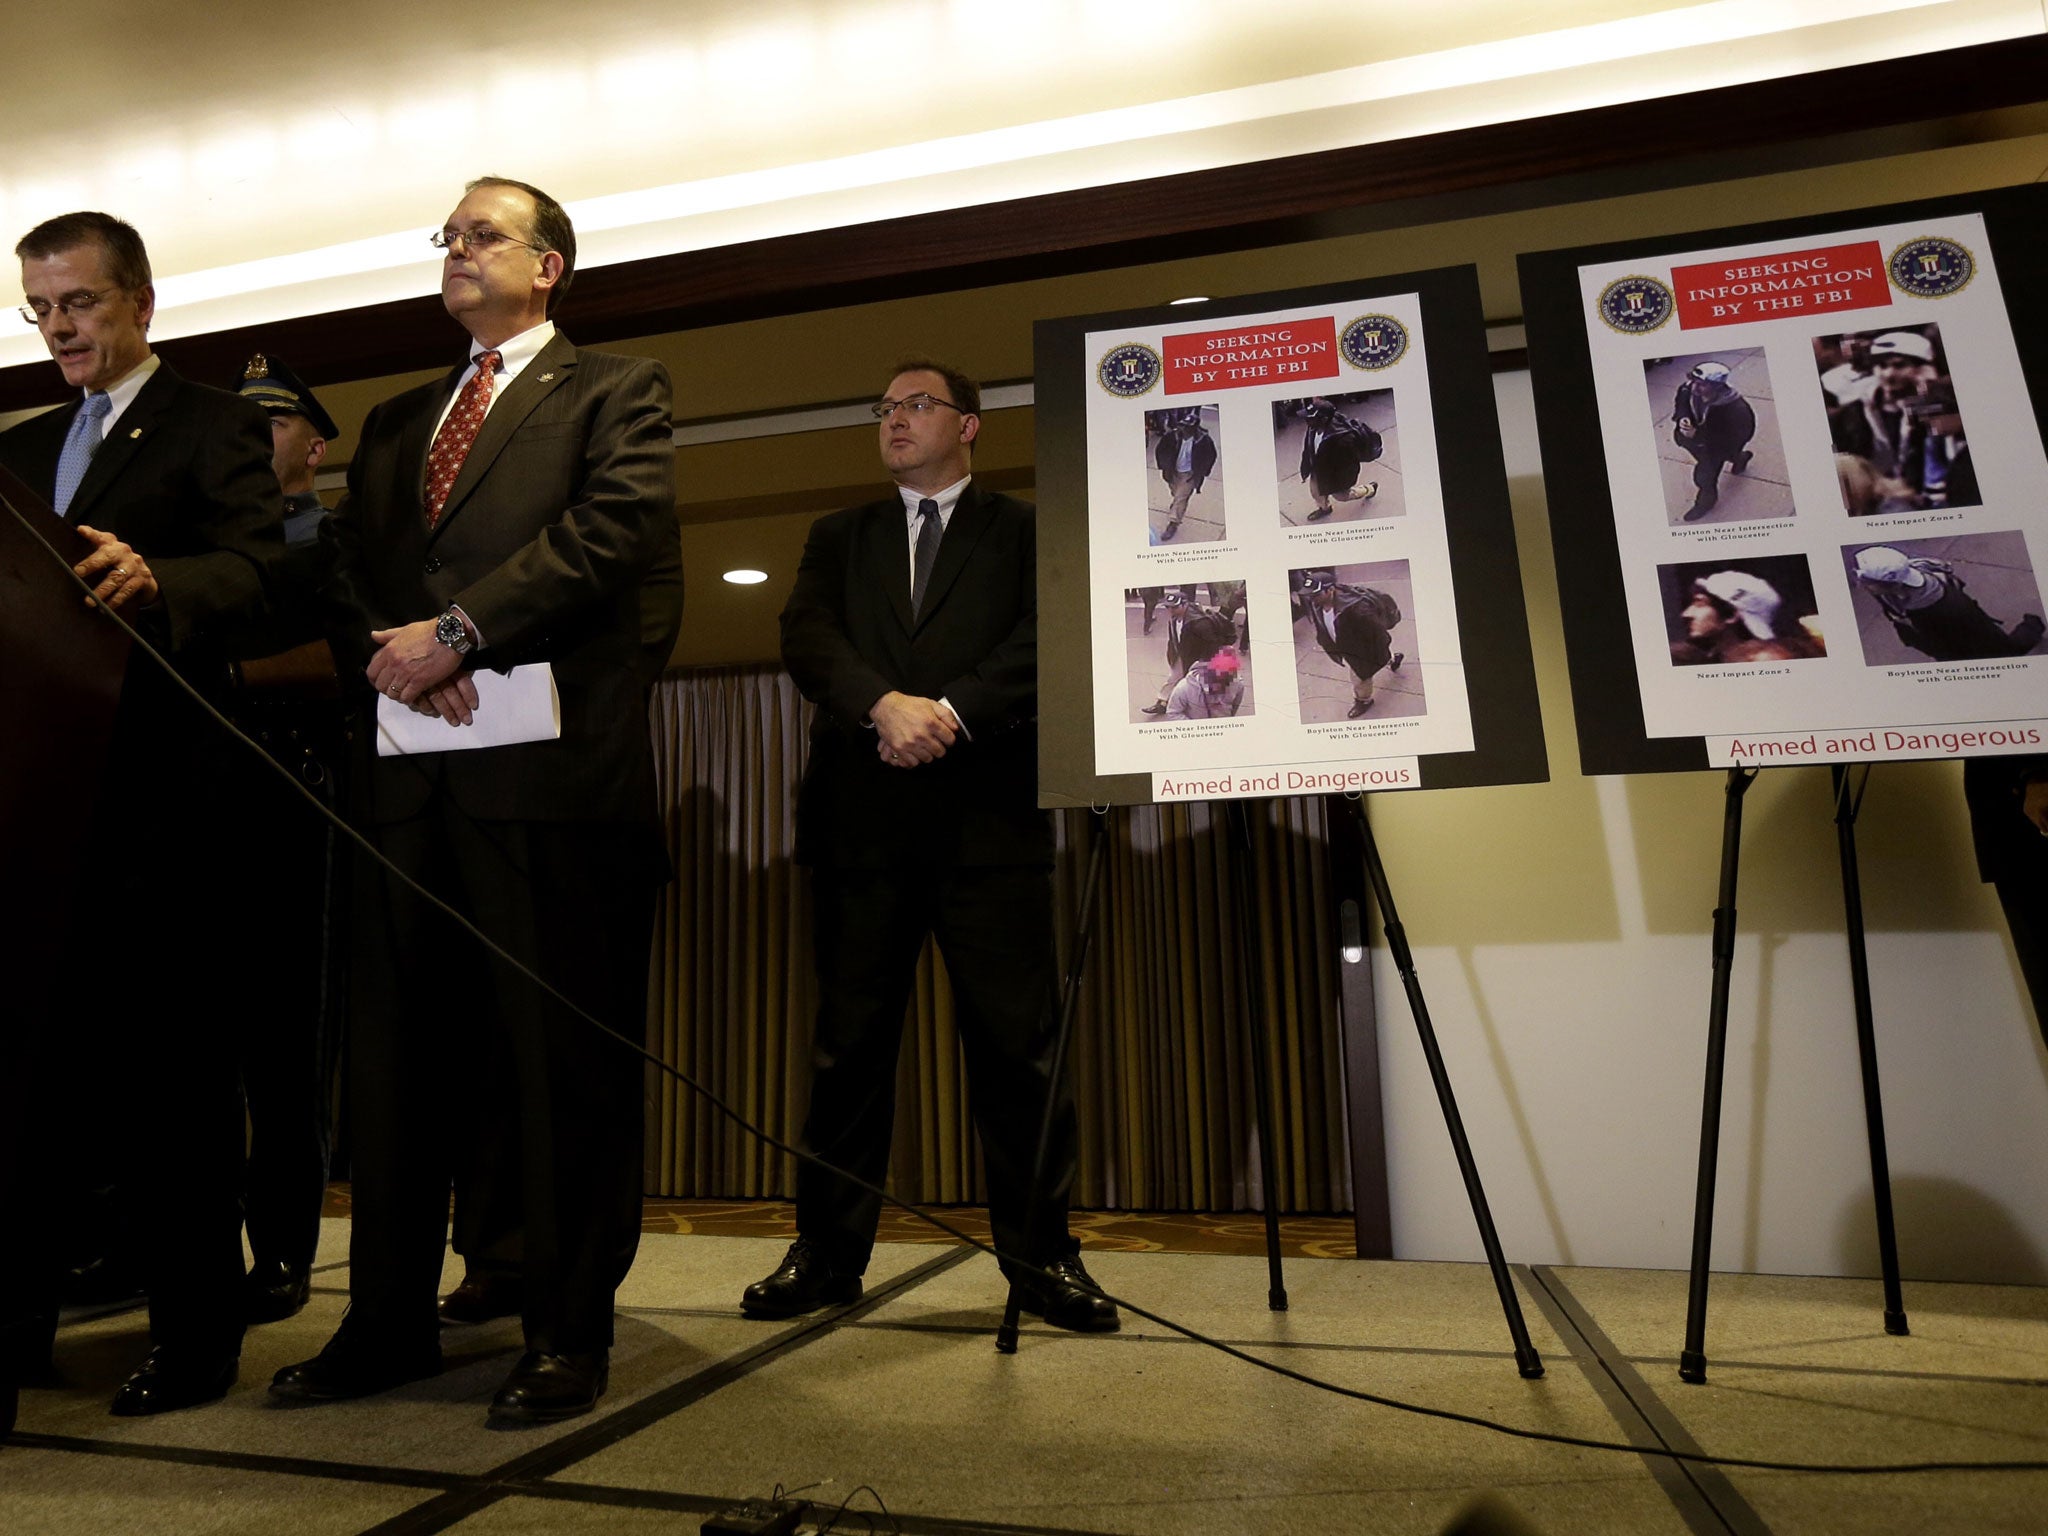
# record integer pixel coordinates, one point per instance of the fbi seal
(1129, 370)
(1635, 306)
(1373, 342)
(1931, 267)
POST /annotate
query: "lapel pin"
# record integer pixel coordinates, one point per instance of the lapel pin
(136, 433)
(547, 378)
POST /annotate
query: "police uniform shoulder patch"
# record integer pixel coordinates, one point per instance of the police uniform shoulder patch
(1373, 342)
(1635, 305)
(1931, 267)
(1129, 370)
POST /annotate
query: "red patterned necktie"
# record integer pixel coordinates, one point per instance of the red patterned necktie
(458, 432)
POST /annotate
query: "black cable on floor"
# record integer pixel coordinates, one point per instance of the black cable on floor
(767, 1138)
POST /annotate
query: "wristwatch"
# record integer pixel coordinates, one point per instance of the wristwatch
(453, 633)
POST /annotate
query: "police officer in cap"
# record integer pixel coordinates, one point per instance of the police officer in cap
(288, 698)
(300, 430)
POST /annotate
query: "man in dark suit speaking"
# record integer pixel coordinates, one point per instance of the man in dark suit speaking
(504, 516)
(913, 626)
(125, 1065)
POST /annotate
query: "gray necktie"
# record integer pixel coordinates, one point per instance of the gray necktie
(80, 444)
(928, 531)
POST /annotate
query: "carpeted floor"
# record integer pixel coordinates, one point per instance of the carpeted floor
(1238, 1232)
(901, 1402)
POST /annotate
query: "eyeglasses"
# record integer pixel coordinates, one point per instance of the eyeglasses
(480, 241)
(917, 405)
(77, 305)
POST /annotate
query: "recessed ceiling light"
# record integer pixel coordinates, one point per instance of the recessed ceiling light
(746, 578)
(1193, 298)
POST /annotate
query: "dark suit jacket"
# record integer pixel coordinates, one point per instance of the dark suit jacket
(848, 638)
(185, 478)
(2006, 844)
(564, 505)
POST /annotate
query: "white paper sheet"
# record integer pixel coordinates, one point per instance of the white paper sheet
(515, 706)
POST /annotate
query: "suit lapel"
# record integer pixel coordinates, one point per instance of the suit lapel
(134, 427)
(550, 369)
(889, 557)
(964, 529)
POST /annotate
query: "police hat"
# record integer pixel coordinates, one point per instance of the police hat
(278, 390)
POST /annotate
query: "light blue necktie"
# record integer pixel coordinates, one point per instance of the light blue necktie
(926, 554)
(80, 444)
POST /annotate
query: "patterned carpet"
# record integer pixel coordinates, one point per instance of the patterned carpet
(1224, 1232)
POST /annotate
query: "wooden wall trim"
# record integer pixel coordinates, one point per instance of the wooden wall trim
(1296, 198)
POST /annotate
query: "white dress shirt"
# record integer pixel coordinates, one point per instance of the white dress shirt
(513, 357)
(123, 394)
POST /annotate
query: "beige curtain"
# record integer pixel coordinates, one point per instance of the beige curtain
(1161, 1061)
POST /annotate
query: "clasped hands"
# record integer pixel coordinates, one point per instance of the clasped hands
(910, 730)
(415, 669)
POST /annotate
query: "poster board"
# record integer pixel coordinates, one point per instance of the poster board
(1858, 578)
(1316, 475)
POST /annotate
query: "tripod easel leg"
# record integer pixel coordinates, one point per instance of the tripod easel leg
(1070, 995)
(1250, 991)
(1847, 806)
(1527, 1361)
(1692, 1360)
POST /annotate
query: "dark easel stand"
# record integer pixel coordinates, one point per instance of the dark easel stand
(1250, 990)
(1692, 1359)
(1527, 1361)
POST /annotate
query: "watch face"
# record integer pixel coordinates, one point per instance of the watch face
(449, 631)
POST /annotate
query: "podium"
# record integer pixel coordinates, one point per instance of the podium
(61, 669)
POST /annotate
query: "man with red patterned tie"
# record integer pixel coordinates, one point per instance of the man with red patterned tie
(508, 515)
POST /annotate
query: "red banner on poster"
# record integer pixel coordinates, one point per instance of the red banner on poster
(1260, 354)
(1744, 288)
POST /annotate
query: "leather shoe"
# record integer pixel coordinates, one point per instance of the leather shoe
(274, 1291)
(545, 1387)
(805, 1282)
(484, 1295)
(1068, 1299)
(171, 1379)
(1358, 707)
(347, 1368)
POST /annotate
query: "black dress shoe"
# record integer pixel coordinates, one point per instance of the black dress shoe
(347, 1368)
(274, 1291)
(1358, 707)
(483, 1296)
(174, 1378)
(544, 1387)
(805, 1282)
(1068, 1299)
